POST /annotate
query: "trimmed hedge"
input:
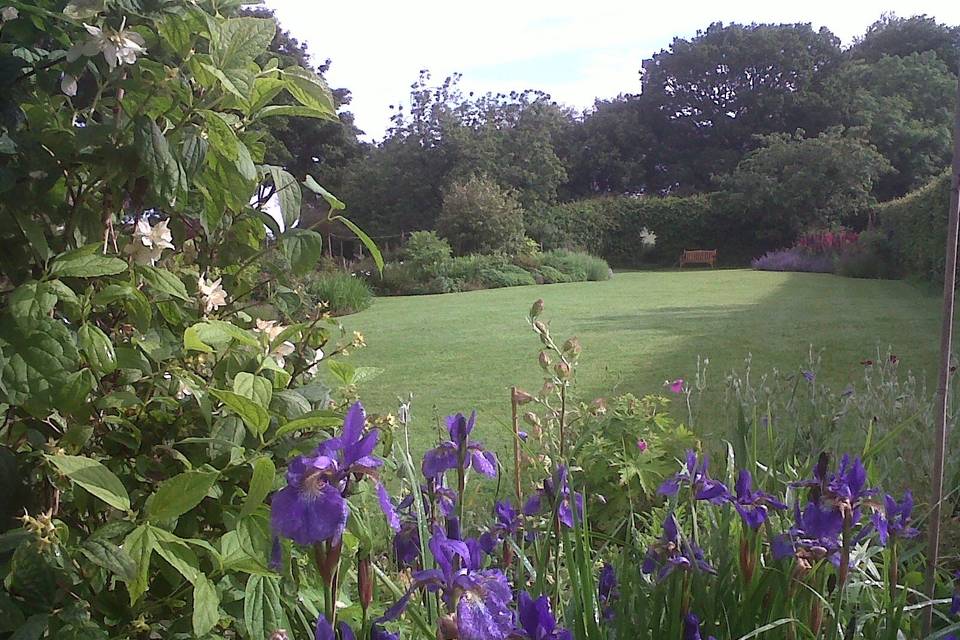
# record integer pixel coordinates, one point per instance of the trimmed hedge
(612, 227)
(917, 226)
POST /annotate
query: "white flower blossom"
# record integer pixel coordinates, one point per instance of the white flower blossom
(117, 47)
(68, 84)
(9, 13)
(184, 391)
(271, 329)
(149, 242)
(315, 363)
(211, 294)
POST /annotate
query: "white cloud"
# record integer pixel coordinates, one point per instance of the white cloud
(573, 50)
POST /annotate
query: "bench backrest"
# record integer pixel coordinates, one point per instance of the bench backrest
(699, 254)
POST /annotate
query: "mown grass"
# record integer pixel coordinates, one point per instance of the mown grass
(463, 351)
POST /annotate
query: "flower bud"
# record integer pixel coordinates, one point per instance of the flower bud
(537, 308)
(531, 418)
(545, 360)
(599, 407)
(562, 370)
(572, 346)
(521, 397)
(547, 389)
(447, 628)
(279, 634)
(364, 582)
(540, 327)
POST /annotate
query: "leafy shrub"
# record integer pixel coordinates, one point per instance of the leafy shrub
(577, 265)
(506, 276)
(552, 275)
(917, 227)
(427, 251)
(871, 257)
(480, 217)
(343, 292)
(794, 259)
(396, 280)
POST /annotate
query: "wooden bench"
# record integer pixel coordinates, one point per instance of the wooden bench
(698, 256)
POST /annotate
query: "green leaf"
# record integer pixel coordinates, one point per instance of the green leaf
(97, 348)
(35, 236)
(261, 483)
(105, 554)
(262, 609)
(193, 151)
(84, 263)
(288, 193)
(342, 371)
(206, 606)
(309, 89)
(38, 362)
(33, 629)
(71, 396)
(163, 281)
(264, 90)
(83, 9)
(293, 110)
(331, 199)
(256, 388)
(308, 423)
(178, 553)
(215, 333)
(253, 415)
(30, 302)
(95, 478)
(161, 167)
(139, 545)
(221, 135)
(237, 41)
(302, 248)
(180, 494)
(365, 239)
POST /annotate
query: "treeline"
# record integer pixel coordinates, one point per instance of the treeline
(781, 124)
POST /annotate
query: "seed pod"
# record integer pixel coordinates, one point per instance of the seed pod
(522, 397)
(364, 582)
(547, 389)
(572, 346)
(537, 308)
(562, 370)
(531, 418)
(545, 360)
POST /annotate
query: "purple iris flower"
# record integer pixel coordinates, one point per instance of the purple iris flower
(557, 492)
(607, 592)
(695, 474)
(506, 524)
(753, 505)
(818, 531)
(537, 621)
(955, 600)
(895, 520)
(479, 599)
(808, 375)
(845, 488)
(379, 633)
(691, 628)
(459, 450)
(312, 507)
(324, 630)
(670, 553)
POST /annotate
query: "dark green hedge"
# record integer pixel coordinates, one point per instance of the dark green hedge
(612, 226)
(917, 226)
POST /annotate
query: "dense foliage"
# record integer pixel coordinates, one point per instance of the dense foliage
(917, 225)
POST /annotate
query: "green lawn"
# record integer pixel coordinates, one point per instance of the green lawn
(463, 351)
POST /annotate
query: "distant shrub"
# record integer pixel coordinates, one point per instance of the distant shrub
(506, 276)
(344, 293)
(793, 259)
(397, 279)
(871, 257)
(577, 265)
(427, 251)
(916, 225)
(551, 275)
(827, 241)
(479, 217)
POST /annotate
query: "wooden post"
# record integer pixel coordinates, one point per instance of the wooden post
(943, 381)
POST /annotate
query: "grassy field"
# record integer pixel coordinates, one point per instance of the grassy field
(464, 351)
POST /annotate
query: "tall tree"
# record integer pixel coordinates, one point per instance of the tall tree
(895, 36)
(903, 104)
(705, 99)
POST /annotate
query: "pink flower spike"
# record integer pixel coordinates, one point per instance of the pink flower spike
(642, 445)
(676, 386)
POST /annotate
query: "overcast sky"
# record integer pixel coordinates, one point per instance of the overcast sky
(576, 51)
